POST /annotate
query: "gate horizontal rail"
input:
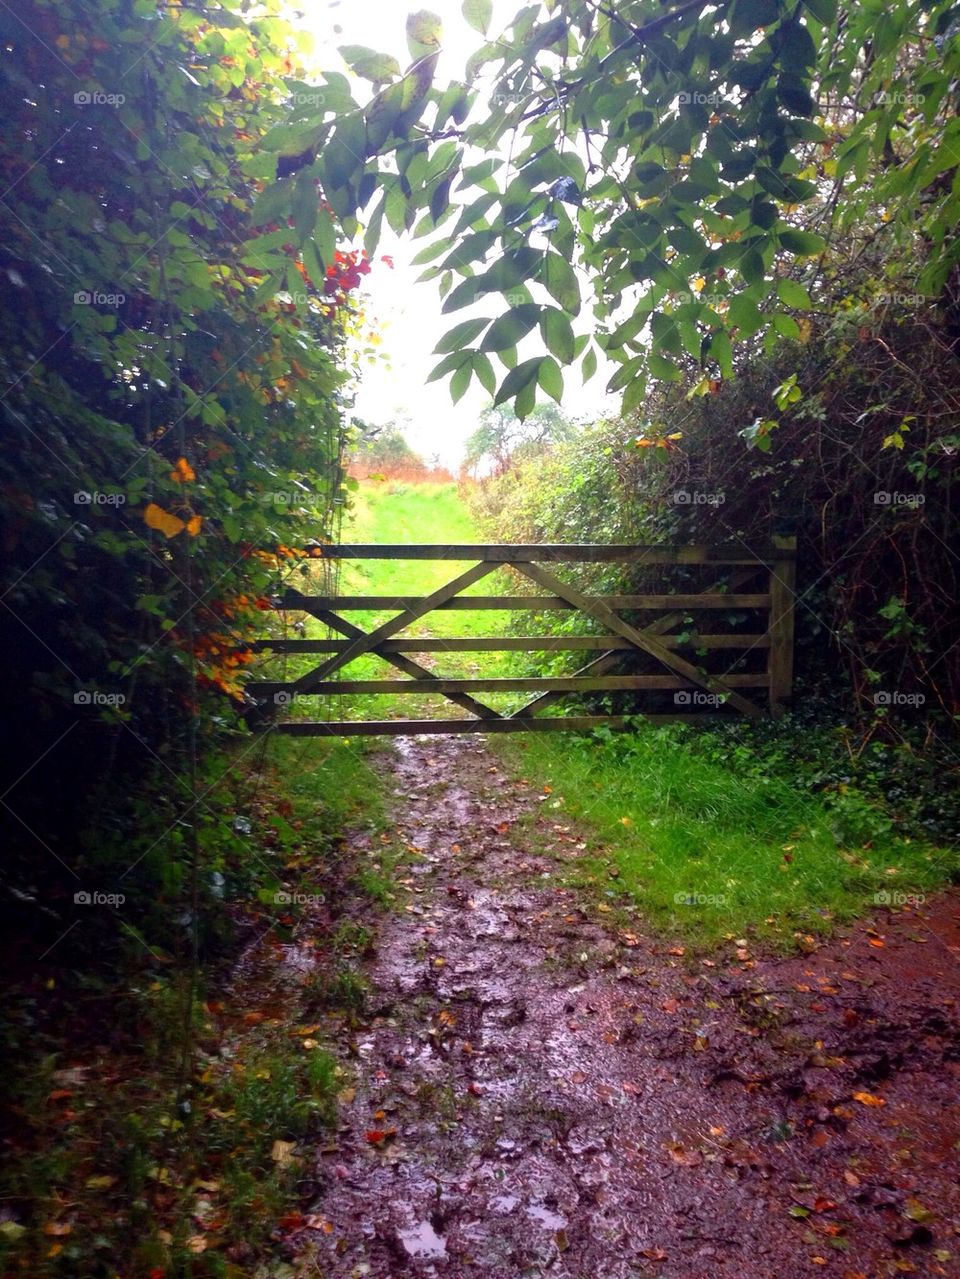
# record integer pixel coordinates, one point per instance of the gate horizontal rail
(583, 553)
(653, 640)
(521, 603)
(509, 644)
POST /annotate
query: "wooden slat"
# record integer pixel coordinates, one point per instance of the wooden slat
(782, 596)
(365, 643)
(521, 603)
(509, 644)
(586, 553)
(530, 724)
(607, 617)
(409, 667)
(506, 684)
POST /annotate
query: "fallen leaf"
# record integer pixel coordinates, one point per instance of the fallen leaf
(377, 1136)
(686, 1158)
(868, 1099)
(915, 1210)
(281, 1152)
(313, 1221)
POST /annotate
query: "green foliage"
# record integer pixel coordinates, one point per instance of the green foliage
(174, 362)
(874, 521)
(384, 448)
(679, 170)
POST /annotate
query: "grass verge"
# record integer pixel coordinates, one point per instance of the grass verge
(157, 1119)
(711, 848)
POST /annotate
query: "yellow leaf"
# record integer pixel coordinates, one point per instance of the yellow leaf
(197, 1244)
(156, 517)
(868, 1099)
(282, 1152)
(193, 525)
(183, 472)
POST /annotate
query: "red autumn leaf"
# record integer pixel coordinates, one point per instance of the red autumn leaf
(377, 1136)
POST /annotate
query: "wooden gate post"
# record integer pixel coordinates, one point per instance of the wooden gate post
(783, 579)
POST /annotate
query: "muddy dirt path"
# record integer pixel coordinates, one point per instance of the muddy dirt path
(539, 1092)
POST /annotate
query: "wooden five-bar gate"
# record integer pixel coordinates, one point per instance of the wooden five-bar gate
(755, 585)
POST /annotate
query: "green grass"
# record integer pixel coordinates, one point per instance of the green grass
(709, 852)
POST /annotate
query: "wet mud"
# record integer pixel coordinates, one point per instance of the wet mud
(540, 1091)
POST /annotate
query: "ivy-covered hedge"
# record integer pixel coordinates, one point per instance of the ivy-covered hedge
(848, 439)
(171, 405)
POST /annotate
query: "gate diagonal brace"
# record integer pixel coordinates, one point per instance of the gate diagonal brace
(600, 665)
(366, 642)
(405, 664)
(645, 643)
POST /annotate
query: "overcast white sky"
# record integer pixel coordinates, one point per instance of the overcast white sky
(408, 314)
